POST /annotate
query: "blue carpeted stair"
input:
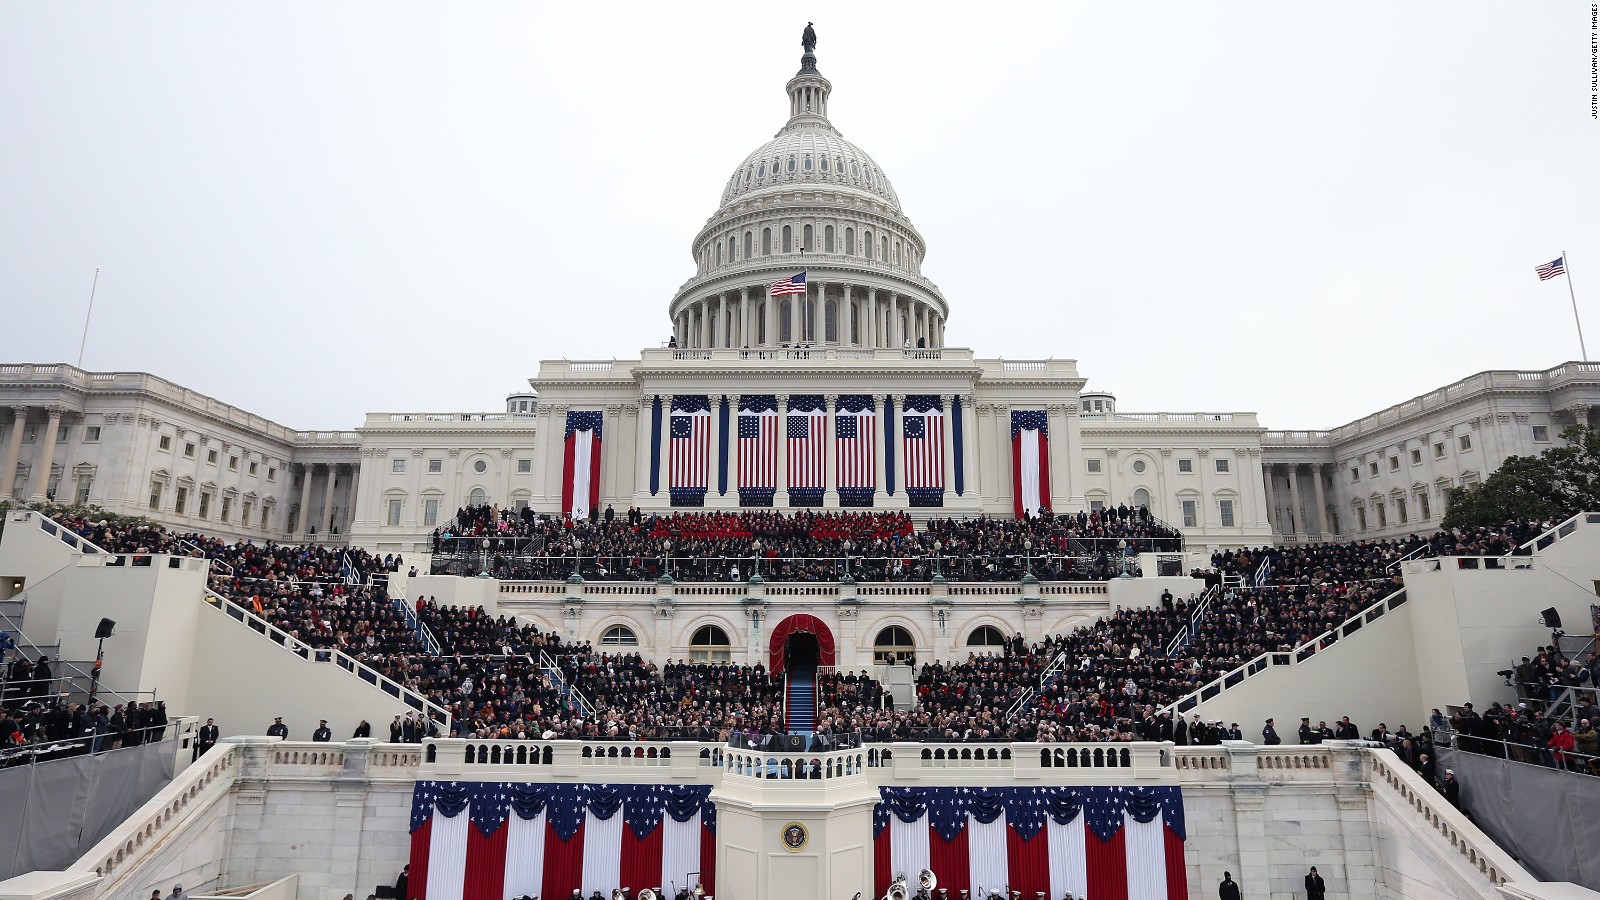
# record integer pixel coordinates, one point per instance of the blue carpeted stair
(801, 693)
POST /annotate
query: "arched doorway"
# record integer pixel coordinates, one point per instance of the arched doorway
(800, 644)
(800, 624)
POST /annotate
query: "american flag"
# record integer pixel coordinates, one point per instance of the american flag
(924, 431)
(856, 446)
(795, 285)
(1552, 268)
(691, 447)
(758, 448)
(807, 425)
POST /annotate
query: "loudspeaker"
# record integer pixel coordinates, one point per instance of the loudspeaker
(1551, 618)
(1169, 567)
(104, 630)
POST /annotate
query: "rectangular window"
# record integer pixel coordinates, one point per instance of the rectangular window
(1188, 514)
(1400, 510)
(1416, 456)
(1185, 465)
(227, 508)
(253, 469)
(188, 450)
(1094, 466)
(1541, 433)
(91, 433)
(1222, 465)
(1422, 506)
(397, 466)
(394, 511)
(1394, 463)
(1383, 515)
(519, 506)
(156, 489)
(435, 466)
(524, 466)
(211, 457)
(264, 512)
(1466, 442)
(233, 464)
(272, 473)
(1355, 473)
(1372, 469)
(244, 514)
(1438, 450)
(182, 500)
(85, 482)
(430, 511)
(1096, 505)
(62, 432)
(205, 504)
(166, 443)
(1225, 513)
(1361, 518)
(31, 434)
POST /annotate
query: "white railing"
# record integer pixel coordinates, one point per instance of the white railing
(1398, 786)
(1263, 572)
(63, 533)
(1559, 532)
(343, 660)
(1371, 613)
(1414, 554)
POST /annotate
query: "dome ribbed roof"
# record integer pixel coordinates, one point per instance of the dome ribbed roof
(809, 155)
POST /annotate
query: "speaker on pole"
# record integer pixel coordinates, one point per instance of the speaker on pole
(1551, 618)
(104, 630)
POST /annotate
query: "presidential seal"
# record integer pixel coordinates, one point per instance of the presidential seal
(795, 837)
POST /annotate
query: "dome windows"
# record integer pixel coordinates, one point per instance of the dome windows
(805, 240)
(823, 162)
(806, 163)
(749, 242)
(790, 167)
(747, 174)
(855, 170)
(850, 241)
(788, 239)
(827, 237)
(766, 242)
(838, 164)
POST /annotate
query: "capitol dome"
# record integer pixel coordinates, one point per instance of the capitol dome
(808, 201)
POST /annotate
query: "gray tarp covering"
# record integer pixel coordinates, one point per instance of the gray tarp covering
(55, 811)
(1546, 818)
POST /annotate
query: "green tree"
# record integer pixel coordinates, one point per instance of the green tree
(1557, 483)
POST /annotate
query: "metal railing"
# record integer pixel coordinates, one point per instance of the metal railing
(1371, 613)
(343, 660)
(418, 627)
(1557, 533)
(552, 670)
(1414, 554)
(1513, 751)
(1263, 572)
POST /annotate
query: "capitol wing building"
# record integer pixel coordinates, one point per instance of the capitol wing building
(809, 367)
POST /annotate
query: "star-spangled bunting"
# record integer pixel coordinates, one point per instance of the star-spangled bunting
(489, 803)
(1029, 420)
(1028, 808)
(584, 420)
(845, 428)
(682, 426)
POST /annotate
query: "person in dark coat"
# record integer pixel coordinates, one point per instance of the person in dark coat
(395, 731)
(42, 677)
(403, 882)
(1228, 889)
(206, 739)
(323, 734)
(1315, 889)
(277, 729)
(364, 730)
(1269, 735)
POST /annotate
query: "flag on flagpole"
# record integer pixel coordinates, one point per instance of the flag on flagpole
(480, 840)
(795, 285)
(580, 465)
(758, 449)
(1551, 269)
(1091, 841)
(1030, 461)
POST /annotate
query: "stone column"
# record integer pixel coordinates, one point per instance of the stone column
(351, 491)
(641, 447)
(1272, 499)
(1061, 469)
(1249, 813)
(878, 444)
(900, 444)
(896, 330)
(746, 336)
(665, 483)
(780, 496)
(794, 315)
(1321, 517)
(8, 474)
(39, 475)
(830, 456)
(1296, 519)
(969, 449)
(770, 339)
(303, 523)
(327, 501)
(847, 317)
(870, 337)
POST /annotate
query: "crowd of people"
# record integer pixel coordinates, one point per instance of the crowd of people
(1555, 721)
(800, 546)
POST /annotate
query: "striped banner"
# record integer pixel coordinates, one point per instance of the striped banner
(804, 441)
(923, 425)
(856, 446)
(758, 450)
(690, 457)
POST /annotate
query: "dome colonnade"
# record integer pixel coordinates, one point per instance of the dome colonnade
(809, 200)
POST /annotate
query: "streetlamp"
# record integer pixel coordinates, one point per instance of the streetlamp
(1027, 556)
(938, 576)
(1122, 552)
(577, 561)
(848, 546)
(755, 546)
(666, 558)
(484, 569)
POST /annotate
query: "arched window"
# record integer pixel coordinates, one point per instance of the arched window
(897, 253)
(893, 645)
(788, 239)
(733, 245)
(620, 636)
(783, 322)
(790, 167)
(807, 164)
(805, 239)
(762, 171)
(749, 244)
(761, 323)
(709, 644)
(746, 174)
(855, 170)
(866, 243)
(850, 241)
(827, 239)
(766, 241)
(884, 256)
(1141, 497)
(830, 322)
(986, 636)
(478, 497)
(719, 254)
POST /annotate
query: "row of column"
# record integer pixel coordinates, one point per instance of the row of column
(733, 319)
(1291, 525)
(831, 449)
(39, 471)
(326, 521)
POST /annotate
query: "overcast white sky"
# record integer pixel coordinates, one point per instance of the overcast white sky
(316, 210)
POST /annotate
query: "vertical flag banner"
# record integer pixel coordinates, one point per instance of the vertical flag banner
(804, 434)
(484, 840)
(854, 426)
(1119, 842)
(690, 434)
(923, 423)
(580, 466)
(1030, 461)
(758, 449)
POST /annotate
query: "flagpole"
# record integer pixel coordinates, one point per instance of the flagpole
(96, 284)
(1567, 267)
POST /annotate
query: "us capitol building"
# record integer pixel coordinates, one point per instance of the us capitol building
(838, 389)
